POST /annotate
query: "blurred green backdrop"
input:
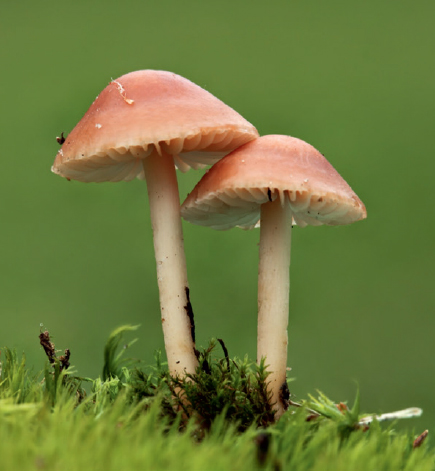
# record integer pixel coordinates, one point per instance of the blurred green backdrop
(355, 79)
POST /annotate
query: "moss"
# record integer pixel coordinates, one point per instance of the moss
(215, 419)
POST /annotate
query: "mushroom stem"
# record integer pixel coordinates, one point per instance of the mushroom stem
(273, 295)
(175, 310)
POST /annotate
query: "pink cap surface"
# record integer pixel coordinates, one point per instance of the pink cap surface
(232, 191)
(146, 110)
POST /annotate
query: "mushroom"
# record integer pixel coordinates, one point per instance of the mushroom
(273, 179)
(139, 126)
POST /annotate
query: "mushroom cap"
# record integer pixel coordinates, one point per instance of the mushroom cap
(231, 192)
(146, 110)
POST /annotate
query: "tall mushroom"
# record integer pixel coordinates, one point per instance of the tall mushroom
(273, 179)
(139, 126)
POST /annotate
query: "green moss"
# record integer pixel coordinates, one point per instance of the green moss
(139, 419)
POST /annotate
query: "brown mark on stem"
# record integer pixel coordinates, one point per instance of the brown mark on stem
(284, 395)
(269, 194)
(189, 312)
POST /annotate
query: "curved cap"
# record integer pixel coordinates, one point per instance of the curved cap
(147, 110)
(232, 191)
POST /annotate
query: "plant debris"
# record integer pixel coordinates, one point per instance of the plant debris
(420, 439)
(60, 139)
(48, 346)
(50, 351)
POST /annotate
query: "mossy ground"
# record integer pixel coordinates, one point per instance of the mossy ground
(127, 421)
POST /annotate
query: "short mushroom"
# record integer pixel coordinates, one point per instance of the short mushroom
(139, 126)
(273, 179)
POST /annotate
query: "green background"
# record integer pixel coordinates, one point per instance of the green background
(354, 79)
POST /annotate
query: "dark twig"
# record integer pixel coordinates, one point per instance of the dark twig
(224, 348)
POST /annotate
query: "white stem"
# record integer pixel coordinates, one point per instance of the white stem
(273, 294)
(164, 203)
